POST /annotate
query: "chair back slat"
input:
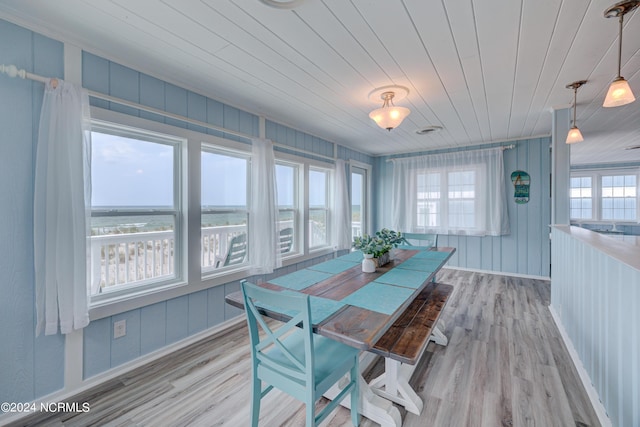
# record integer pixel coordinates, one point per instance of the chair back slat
(425, 240)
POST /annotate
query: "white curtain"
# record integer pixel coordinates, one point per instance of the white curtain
(451, 193)
(264, 249)
(62, 209)
(341, 226)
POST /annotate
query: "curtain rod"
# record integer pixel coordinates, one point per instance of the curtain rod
(13, 71)
(504, 147)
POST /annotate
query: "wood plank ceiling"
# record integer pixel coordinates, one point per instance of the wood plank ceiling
(485, 71)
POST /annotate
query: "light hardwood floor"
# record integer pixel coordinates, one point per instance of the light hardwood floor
(505, 365)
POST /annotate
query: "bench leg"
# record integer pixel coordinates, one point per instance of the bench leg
(394, 385)
(372, 406)
(438, 337)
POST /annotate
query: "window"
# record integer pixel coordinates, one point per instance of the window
(460, 192)
(135, 209)
(224, 195)
(288, 212)
(359, 201)
(605, 196)
(581, 198)
(446, 199)
(318, 207)
(619, 200)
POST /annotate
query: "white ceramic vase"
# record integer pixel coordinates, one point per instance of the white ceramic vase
(368, 264)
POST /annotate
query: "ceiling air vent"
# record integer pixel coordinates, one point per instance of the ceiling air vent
(429, 129)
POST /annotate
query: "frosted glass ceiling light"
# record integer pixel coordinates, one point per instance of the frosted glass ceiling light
(619, 92)
(389, 116)
(574, 134)
(283, 4)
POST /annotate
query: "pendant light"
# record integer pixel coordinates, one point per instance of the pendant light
(619, 92)
(574, 134)
(389, 116)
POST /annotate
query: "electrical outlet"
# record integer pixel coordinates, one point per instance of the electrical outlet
(119, 328)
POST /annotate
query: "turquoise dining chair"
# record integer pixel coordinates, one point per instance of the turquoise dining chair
(421, 240)
(291, 358)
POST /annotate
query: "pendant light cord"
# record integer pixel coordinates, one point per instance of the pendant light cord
(620, 47)
(575, 104)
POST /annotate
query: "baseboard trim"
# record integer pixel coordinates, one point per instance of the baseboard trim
(66, 394)
(498, 273)
(598, 407)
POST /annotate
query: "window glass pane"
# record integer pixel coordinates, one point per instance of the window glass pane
(133, 223)
(428, 194)
(357, 202)
(619, 198)
(461, 192)
(224, 215)
(580, 194)
(286, 182)
(317, 227)
(318, 209)
(224, 180)
(130, 172)
(317, 188)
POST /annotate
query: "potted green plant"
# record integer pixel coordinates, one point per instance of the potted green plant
(377, 246)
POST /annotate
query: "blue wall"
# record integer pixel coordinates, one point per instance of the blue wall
(34, 367)
(30, 366)
(527, 249)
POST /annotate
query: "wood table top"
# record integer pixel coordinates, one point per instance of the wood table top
(366, 304)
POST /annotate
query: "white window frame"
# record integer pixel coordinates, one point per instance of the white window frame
(365, 209)
(208, 271)
(120, 291)
(596, 193)
(329, 179)
(298, 233)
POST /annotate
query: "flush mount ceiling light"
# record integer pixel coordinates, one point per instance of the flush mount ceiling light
(283, 4)
(389, 116)
(574, 134)
(619, 92)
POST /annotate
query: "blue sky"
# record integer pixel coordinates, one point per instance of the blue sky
(136, 173)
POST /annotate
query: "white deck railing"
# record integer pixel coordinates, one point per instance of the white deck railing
(121, 259)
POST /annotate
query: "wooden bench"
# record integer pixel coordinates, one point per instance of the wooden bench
(404, 343)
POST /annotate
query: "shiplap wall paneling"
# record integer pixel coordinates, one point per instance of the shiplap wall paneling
(109, 78)
(596, 298)
(127, 347)
(30, 366)
(152, 337)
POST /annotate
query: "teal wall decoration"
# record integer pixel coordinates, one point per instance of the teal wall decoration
(521, 182)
